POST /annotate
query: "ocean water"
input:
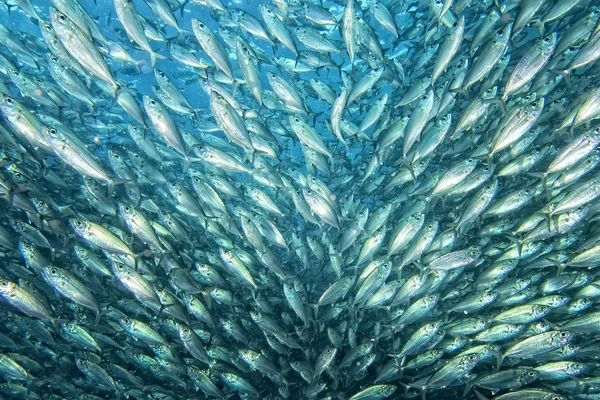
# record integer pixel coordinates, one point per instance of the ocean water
(277, 334)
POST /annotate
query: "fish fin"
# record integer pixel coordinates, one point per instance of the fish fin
(98, 315)
(500, 359)
(468, 388)
(501, 101)
(490, 159)
(566, 73)
(118, 89)
(559, 265)
(540, 24)
(156, 56)
(518, 242)
(410, 168)
(207, 298)
(112, 183)
(462, 91)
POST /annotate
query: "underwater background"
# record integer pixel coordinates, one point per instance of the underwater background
(299, 199)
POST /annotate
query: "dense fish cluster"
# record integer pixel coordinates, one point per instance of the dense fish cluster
(293, 199)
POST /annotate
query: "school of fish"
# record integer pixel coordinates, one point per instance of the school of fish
(286, 199)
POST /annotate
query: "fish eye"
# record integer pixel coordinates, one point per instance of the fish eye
(62, 17)
(201, 25)
(531, 373)
(563, 334)
(125, 320)
(269, 11)
(501, 32)
(4, 283)
(547, 39)
(53, 271)
(9, 100)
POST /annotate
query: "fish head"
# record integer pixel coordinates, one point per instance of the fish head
(51, 273)
(80, 226)
(126, 323)
(7, 102)
(199, 26)
(6, 287)
(150, 104)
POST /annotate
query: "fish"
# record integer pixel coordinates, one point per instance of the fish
(129, 18)
(299, 199)
(81, 48)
